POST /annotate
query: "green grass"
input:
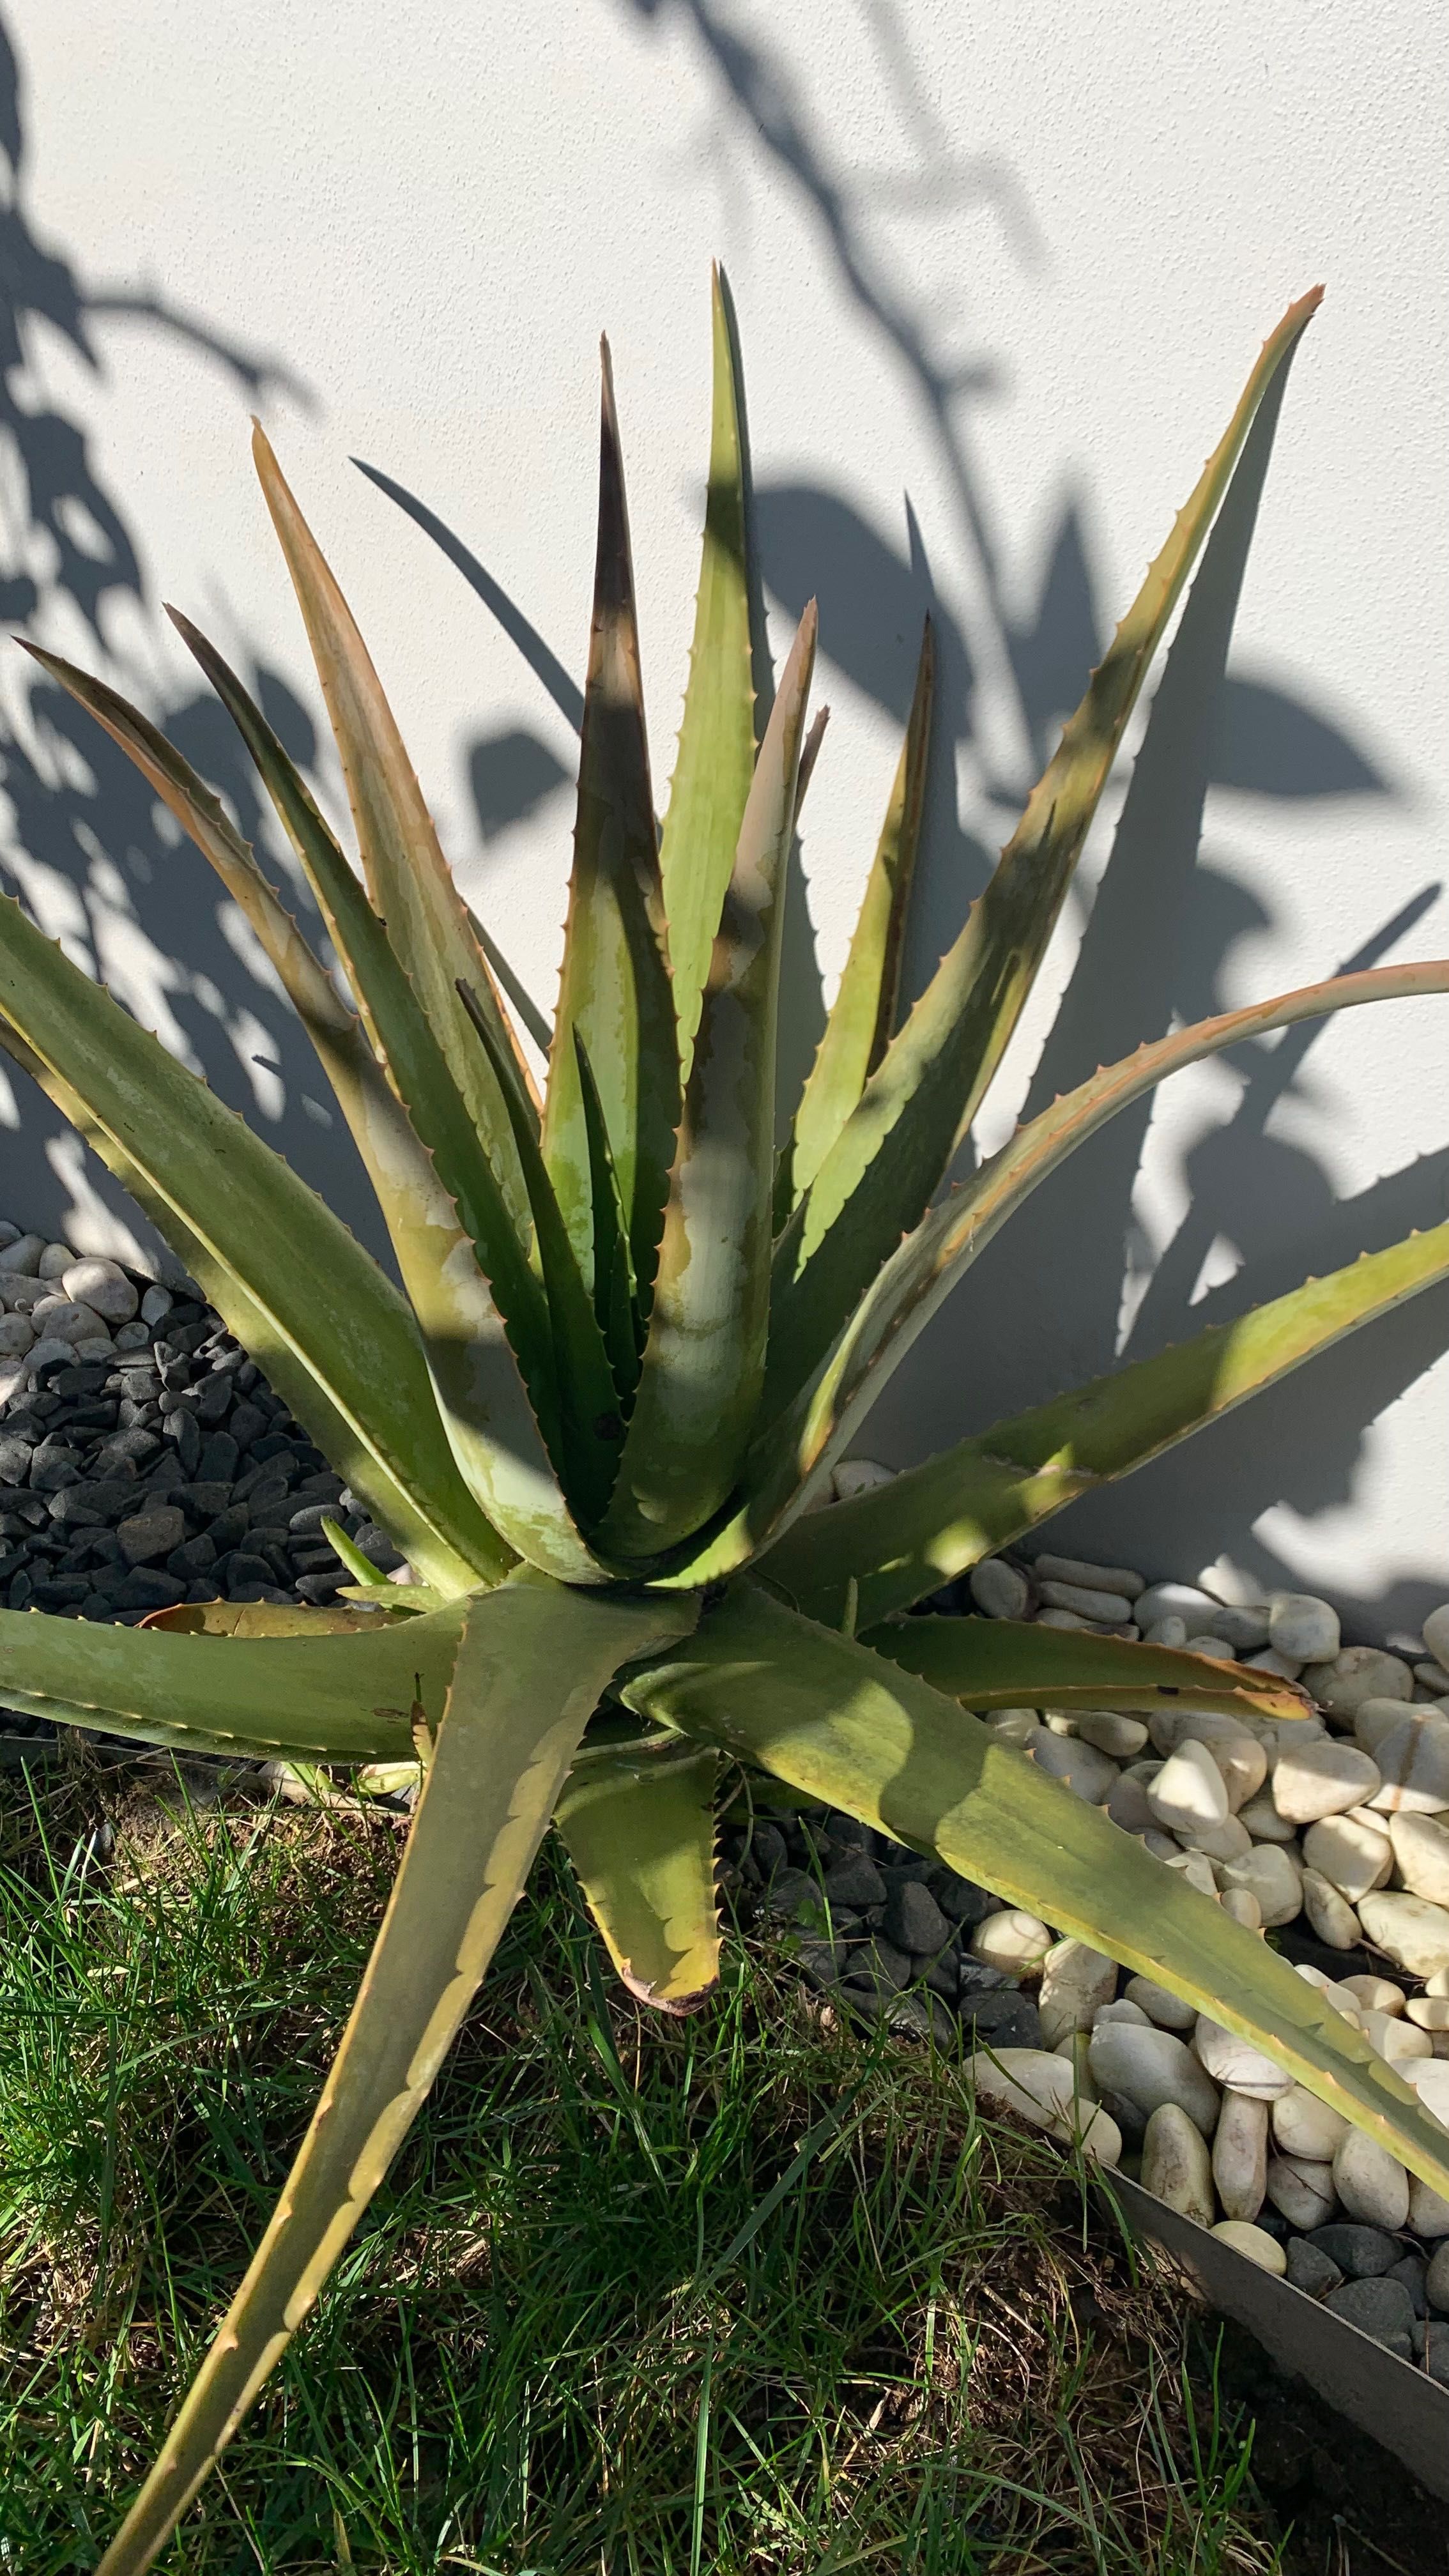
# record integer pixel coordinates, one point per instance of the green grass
(639, 2298)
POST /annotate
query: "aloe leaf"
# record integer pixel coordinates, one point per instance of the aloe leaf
(705, 1354)
(513, 986)
(891, 1153)
(589, 1427)
(638, 1825)
(905, 1539)
(788, 1458)
(262, 1689)
(615, 1297)
(486, 1325)
(843, 1725)
(531, 1661)
(717, 739)
(615, 995)
(1009, 1663)
(428, 926)
(313, 1308)
(863, 1015)
(283, 1618)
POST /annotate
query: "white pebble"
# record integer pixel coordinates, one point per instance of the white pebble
(1356, 1674)
(1428, 2209)
(1414, 1763)
(1235, 2062)
(1195, 1867)
(1429, 2012)
(1394, 2038)
(1408, 1929)
(1041, 2088)
(1352, 1856)
(1254, 2242)
(1242, 1905)
(1166, 1632)
(1376, 1994)
(1072, 1619)
(1437, 1982)
(1244, 1627)
(1174, 1601)
(1215, 1649)
(1371, 2183)
(102, 1285)
(1018, 1727)
(1429, 2077)
(1012, 1939)
(1322, 1778)
(1176, 2165)
(1086, 1772)
(1272, 1875)
(1076, 1980)
(1263, 1820)
(17, 1333)
(1421, 1848)
(1305, 2127)
(859, 1476)
(1228, 1841)
(1126, 1804)
(1092, 1578)
(56, 1257)
(1168, 2011)
(1152, 2066)
(1301, 2190)
(1375, 1721)
(1436, 1635)
(1268, 1660)
(1301, 1625)
(1240, 2154)
(1189, 1789)
(23, 1255)
(1121, 2009)
(1111, 1731)
(1106, 1607)
(1330, 1915)
(1240, 1755)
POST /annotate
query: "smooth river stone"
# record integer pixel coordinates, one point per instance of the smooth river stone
(1001, 1590)
(1436, 1635)
(1376, 1719)
(1017, 1727)
(1121, 2010)
(1012, 1939)
(1176, 2164)
(1189, 1790)
(1242, 1906)
(1174, 1601)
(1168, 2011)
(1240, 2155)
(1330, 1915)
(1254, 2242)
(1230, 1840)
(1353, 1857)
(1414, 1763)
(1301, 1625)
(1376, 1994)
(1263, 1820)
(1106, 1609)
(1196, 1868)
(1042, 2089)
(1303, 2126)
(1096, 1578)
(1089, 1775)
(1394, 2039)
(1274, 1877)
(1342, 1684)
(1150, 2067)
(1372, 2185)
(1076, 1980)
(1112, 1731)
(1408, 1929)
(1429, 2012)
(1322, 1778)
(1126, 1804)
(1428, 2209)
(1301, 2190)
(101, 1285)
(1237, 2063)
(1429, 2077)
(1421, 1848)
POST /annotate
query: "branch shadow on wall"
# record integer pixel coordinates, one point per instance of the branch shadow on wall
(96, 860)
(1043, 1310)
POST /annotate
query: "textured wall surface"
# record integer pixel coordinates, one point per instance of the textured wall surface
(999, 284)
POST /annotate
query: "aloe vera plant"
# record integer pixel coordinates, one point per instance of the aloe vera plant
(630, 1344)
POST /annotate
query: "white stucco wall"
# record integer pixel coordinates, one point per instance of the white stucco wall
(997, 267)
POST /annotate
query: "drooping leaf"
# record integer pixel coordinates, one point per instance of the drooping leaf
(258, 1690)
(615, 995)
(863, 1015)
(717, 736)
(911, 1286)
(898, 1142)
(407, 876)
(905, 1539)
(485, 1322)
(830, 1718)
(312, 1307)
(531, 1661)
(278, 1618)
(1009, 1663)
(638, 1825)
(704, 1357)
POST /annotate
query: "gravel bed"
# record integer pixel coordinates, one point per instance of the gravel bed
(144, 1461)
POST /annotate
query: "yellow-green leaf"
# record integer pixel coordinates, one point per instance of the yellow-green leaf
(638, 1825)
